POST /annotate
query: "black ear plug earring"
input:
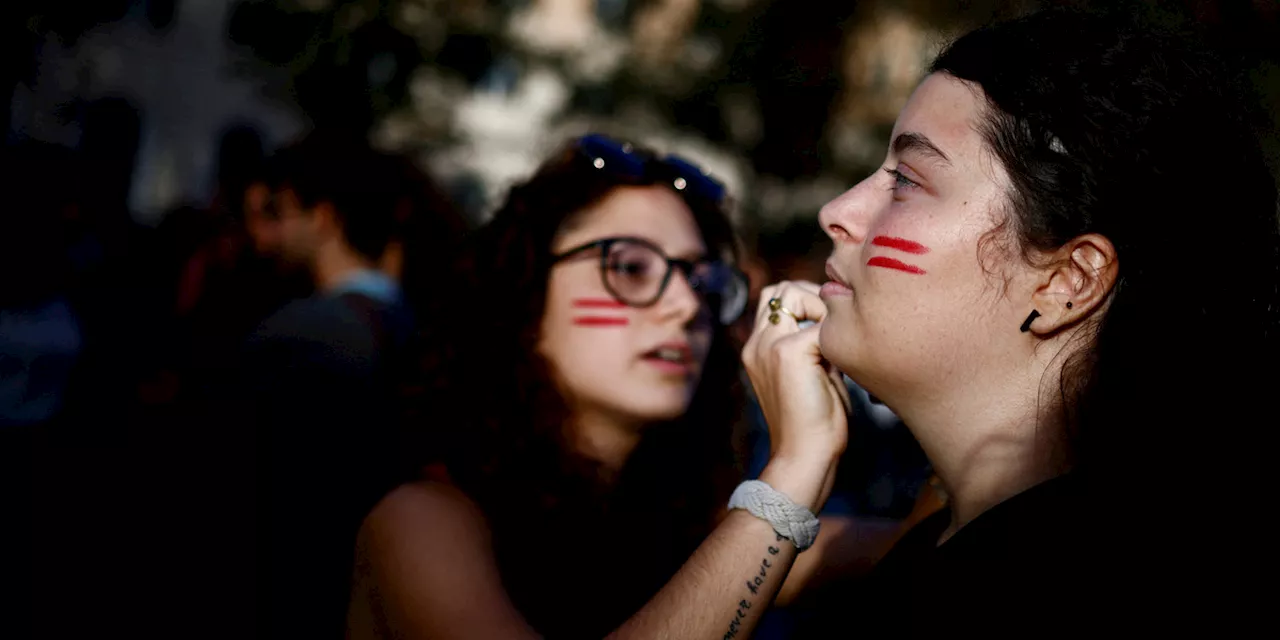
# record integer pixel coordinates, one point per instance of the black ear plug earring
(1068, 305)
(1026, 324)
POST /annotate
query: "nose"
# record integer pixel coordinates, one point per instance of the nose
(846, 219)
(679, 301)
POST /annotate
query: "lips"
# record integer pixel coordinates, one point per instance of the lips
(836, 286)
(835, 277)
(672, 357)
(678, 352)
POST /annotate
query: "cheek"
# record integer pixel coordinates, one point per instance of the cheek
(909, 329)
(921, 265)
(586, 332)
(912, 283)
(584, 329)
(598, 312)
(596, 320)
(899, 247)
(589, 348)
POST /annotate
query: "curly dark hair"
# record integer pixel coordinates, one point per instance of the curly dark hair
(491, 413)
(1107, 125)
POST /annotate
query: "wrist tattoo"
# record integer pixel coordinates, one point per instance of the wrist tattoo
(753, 586)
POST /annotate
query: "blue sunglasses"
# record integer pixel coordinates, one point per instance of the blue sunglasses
(627, 163)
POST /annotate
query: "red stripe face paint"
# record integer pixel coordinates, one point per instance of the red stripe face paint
(900, 244)
(600, 321)
(890, 263)
(598, 303)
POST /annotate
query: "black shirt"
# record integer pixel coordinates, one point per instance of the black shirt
(1022, 567)
(1040, 564)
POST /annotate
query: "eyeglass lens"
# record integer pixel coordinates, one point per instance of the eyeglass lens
(637, 274)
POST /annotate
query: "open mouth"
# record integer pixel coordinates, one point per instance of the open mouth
(671, 358)
(676, 355)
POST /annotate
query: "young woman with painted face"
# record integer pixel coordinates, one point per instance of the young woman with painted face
(1066, 280)
(581, 414)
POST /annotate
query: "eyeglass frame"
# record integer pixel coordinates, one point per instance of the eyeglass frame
(685, 266)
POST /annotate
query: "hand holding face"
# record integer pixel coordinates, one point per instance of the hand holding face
(804, 399)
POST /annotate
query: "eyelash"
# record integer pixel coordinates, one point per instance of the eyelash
(900, 180)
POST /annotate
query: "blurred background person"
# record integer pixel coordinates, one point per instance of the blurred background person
(40, 334)
(316, 380)
(429, 231)
(238, 276)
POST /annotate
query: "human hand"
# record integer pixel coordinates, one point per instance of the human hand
(803, 398)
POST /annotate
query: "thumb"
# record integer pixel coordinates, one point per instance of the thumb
(810, 335)
(839, 387)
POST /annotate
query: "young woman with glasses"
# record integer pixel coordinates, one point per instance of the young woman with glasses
(582, 395)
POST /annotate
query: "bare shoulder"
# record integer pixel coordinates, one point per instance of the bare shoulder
(424, 513)
(425, 568)
(429, 500)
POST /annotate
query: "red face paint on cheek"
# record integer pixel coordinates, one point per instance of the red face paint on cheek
(598, 303)
(600, 321)
(901, 244)
(890, 263)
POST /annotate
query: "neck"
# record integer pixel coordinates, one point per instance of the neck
(991, 440)
(335, 262)
(604, 439)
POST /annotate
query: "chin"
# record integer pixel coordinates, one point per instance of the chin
(664, 414)
(658, 409)
(836, 351)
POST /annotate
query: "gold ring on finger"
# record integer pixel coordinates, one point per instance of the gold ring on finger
(774, 318)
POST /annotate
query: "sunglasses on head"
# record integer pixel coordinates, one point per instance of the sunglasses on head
(629, 164)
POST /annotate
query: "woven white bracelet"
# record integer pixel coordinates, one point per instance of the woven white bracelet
(789, 519)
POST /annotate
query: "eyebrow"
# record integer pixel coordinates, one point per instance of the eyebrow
(909, 141)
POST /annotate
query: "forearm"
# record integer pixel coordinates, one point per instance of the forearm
(725, 587)
(722, 590)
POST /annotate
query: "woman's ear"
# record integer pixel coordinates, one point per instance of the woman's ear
(1075, 284)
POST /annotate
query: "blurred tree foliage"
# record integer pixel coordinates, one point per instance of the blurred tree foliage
(25, 23)
(347, 64)
(763, 79)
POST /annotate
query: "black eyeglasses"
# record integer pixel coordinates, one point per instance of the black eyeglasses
(636, 273)
(629, 164)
